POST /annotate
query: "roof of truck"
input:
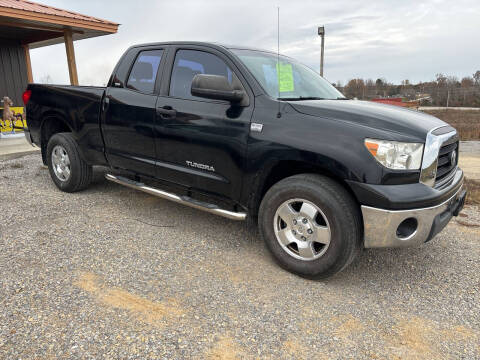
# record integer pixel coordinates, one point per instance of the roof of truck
(205, 43)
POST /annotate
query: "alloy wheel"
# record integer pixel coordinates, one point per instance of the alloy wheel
(61, 163)
(302, 229)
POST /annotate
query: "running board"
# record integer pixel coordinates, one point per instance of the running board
(185, 200)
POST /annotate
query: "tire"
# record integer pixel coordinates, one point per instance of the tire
(80, 173)
(311, 225)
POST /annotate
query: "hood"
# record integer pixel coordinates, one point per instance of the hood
(378, 116)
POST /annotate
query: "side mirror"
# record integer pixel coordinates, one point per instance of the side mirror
(216, 87)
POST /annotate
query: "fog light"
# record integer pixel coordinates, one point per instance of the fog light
(407, 228)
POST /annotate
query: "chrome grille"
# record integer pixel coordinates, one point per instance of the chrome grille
(439, 142)
(445, 166)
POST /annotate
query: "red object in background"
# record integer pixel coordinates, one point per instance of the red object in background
(391, 101)
(26, 96)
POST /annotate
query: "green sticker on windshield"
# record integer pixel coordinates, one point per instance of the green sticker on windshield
(285, 78)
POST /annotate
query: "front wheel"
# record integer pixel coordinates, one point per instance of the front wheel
(311, 225)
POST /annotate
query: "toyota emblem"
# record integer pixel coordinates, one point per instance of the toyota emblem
(453, 157)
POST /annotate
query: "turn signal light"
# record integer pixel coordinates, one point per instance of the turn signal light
(26, 96)
(372, 147)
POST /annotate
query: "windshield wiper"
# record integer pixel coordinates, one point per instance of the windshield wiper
(342, 98)
(301, 98)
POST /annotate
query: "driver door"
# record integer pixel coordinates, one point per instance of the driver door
(201, 142)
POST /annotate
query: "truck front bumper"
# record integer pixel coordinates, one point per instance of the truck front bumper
(416, 225)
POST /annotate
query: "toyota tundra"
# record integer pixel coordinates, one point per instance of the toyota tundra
(245, 133)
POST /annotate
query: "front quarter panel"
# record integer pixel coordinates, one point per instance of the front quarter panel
(332, 145)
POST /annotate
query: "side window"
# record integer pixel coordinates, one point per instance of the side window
(189, 63)
(144, 71)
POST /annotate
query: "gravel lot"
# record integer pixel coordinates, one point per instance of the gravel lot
(470, 147)
(115, 273)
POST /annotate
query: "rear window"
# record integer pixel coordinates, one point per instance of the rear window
(144, 71)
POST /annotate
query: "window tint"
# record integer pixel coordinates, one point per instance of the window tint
(189, 63)
(144, 71)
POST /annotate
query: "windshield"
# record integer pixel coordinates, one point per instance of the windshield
(297, 81)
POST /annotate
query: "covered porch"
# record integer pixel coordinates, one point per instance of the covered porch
(25, 25)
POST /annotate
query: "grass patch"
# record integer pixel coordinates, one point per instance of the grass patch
(467, 122)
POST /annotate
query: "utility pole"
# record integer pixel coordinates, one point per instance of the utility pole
(321, 32)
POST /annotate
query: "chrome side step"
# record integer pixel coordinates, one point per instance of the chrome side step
(185, 200)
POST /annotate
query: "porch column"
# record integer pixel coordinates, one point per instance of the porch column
(28, 62)
(72, 66)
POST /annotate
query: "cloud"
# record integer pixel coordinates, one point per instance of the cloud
(395, 40)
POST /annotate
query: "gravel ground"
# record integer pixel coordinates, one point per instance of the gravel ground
(115, 273)
(471, 147)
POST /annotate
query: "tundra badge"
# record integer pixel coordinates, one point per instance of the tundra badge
(200, 166)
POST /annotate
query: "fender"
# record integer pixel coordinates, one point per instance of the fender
(53, 123)
(262, 175)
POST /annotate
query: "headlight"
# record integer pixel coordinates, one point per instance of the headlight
(396, 155)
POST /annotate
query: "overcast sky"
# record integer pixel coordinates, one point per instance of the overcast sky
(407, 39)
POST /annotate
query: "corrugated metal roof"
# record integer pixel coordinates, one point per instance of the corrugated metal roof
(49, 10)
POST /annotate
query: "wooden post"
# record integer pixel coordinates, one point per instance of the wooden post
(72, 66)
(28, 62)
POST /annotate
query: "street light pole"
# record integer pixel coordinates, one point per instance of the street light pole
(321, 32)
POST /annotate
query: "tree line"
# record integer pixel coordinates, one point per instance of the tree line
(443, 91)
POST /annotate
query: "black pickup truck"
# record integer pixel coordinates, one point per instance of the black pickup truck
(245, 133)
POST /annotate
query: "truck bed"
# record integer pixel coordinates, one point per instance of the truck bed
(79, 107)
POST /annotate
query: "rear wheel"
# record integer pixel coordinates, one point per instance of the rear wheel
(67, 168)
(311, 225)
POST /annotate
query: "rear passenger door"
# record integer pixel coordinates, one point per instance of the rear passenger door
(201, 143)
(129, 113)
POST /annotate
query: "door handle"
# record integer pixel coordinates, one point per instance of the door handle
(106, 103)
(166, 112)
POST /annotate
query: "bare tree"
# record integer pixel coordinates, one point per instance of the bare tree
(444, 89)
(441, 80)
(476, 77)
(355, 88)
(467, 82)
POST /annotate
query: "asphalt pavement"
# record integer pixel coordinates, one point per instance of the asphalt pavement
(114, 273)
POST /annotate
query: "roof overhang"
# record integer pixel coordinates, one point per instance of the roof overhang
(39, 29)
